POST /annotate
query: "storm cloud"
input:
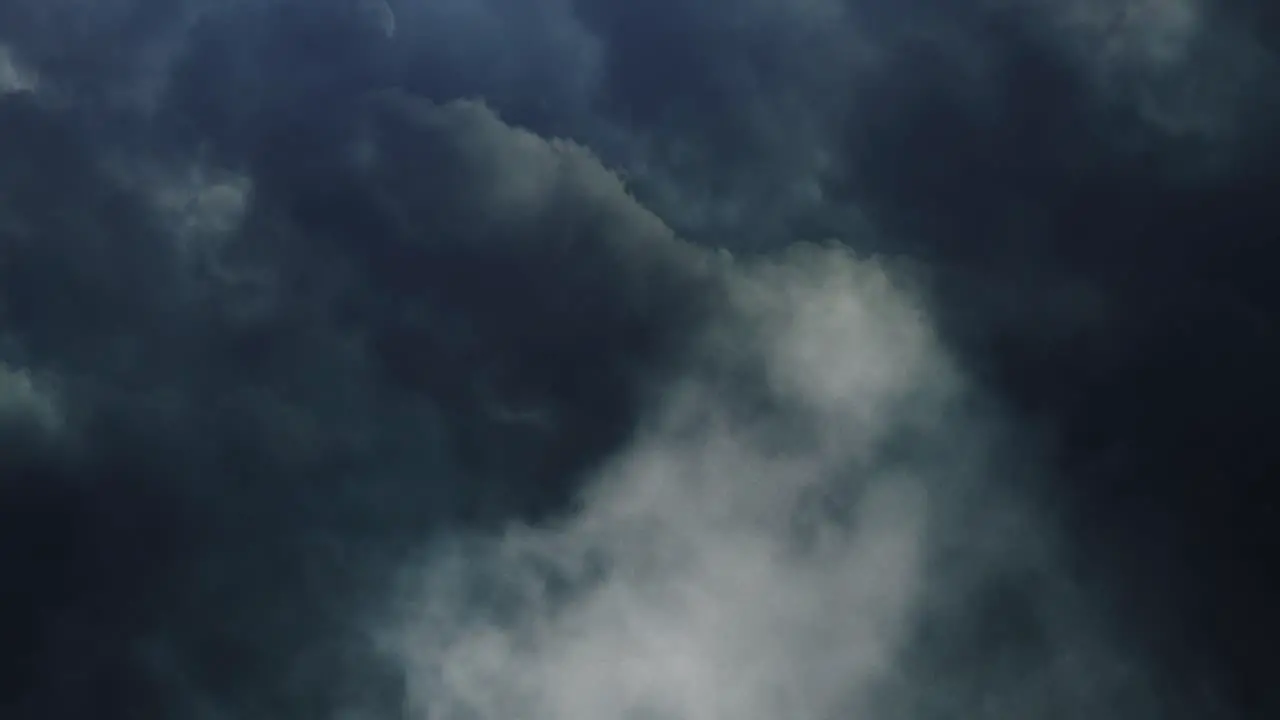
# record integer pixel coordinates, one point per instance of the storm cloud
(577, 358)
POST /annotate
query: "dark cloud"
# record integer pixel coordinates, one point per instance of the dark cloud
(402, 359)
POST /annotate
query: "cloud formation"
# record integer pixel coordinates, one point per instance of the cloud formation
(454, 359)
(759, 547)
(13, 76)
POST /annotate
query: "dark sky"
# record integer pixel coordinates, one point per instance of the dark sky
(667, 360)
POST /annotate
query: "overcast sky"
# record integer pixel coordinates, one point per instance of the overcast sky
(621, 360)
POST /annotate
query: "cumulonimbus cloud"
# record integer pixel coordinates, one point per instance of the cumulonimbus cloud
(775, 535)
(303, 328)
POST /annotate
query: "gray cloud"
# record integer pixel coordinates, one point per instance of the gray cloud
(773, 558)
(31, 420)
(1189, 68)
(327, 317)
(13, 76)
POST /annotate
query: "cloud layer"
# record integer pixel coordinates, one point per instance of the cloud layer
(466, 359)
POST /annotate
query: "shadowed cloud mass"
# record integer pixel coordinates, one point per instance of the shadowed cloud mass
(572, 359)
